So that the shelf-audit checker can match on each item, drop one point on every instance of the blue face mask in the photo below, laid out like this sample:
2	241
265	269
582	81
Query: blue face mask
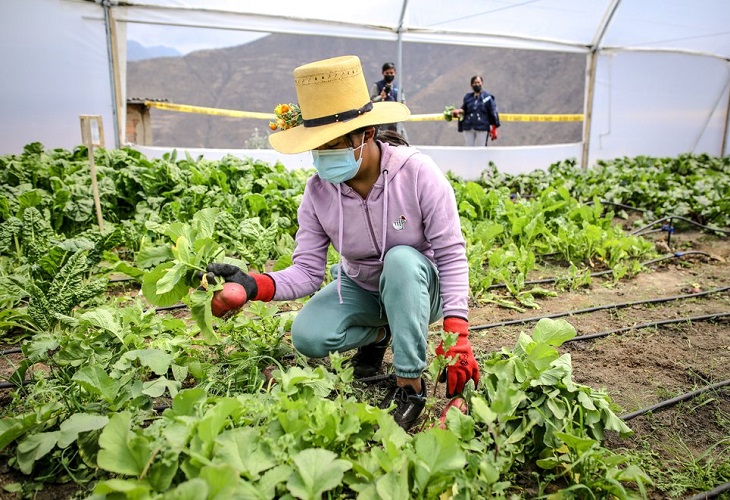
337	165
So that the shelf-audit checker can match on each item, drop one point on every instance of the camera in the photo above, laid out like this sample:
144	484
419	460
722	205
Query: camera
388	88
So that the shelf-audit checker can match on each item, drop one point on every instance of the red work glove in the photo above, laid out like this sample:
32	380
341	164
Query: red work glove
493	132
466	367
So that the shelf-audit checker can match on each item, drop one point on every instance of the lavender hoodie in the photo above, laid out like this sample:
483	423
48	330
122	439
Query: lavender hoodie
417	198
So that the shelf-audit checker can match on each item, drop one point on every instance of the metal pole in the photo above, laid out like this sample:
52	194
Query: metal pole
592	64
723	148
110	49
399	56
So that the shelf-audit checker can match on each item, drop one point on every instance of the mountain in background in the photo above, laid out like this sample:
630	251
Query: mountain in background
138	52
258	76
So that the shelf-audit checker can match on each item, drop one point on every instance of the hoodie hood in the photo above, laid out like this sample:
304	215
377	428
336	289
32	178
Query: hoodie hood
411	203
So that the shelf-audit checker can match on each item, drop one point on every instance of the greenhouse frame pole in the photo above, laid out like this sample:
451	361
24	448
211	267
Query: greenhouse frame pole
723	148
399	56
591	80
111	47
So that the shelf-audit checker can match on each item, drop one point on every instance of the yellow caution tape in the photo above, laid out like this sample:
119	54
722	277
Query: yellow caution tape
505	117
185	108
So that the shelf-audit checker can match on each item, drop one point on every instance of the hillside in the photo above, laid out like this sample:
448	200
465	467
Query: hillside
258	75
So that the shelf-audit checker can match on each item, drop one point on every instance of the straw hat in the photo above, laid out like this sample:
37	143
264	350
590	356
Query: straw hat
334	100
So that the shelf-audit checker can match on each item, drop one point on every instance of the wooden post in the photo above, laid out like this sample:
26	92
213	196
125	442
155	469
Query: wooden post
92	135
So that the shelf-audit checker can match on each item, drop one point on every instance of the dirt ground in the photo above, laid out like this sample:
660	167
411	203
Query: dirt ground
643	367
638	368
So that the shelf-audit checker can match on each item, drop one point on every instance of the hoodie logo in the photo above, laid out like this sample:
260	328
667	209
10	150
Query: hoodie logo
400	223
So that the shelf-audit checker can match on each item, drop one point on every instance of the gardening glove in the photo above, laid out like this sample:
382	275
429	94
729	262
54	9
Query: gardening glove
257	286
493	132
466	367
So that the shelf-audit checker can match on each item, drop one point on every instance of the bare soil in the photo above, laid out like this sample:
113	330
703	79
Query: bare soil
645	366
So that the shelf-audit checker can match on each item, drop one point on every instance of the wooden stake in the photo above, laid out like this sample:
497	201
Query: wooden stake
88	139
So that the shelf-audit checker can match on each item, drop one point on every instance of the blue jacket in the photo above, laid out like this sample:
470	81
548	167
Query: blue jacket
480	112
393	96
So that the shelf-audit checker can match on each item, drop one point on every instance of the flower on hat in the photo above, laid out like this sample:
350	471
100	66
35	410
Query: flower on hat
287	116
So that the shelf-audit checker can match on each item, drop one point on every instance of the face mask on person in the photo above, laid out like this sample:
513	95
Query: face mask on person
337	165
477	88
389	78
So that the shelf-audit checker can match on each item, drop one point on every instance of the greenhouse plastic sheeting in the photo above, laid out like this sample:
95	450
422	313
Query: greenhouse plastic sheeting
55	68
660	85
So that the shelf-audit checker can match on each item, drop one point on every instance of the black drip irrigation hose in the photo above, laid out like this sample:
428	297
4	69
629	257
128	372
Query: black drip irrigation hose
704	317
711	493
670	228
675	400
15	385
171	308
14	350
608	271
598	308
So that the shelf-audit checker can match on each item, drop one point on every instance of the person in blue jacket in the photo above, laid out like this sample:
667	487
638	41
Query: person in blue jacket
478	115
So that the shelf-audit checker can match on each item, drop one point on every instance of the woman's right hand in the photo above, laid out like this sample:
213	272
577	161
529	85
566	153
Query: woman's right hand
238	288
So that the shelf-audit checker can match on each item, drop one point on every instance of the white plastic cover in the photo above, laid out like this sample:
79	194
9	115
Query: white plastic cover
55	68
662	70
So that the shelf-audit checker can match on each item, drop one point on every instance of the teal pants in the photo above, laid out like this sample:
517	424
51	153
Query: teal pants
408	300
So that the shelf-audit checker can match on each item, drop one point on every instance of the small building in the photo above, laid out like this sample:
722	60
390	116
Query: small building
139	124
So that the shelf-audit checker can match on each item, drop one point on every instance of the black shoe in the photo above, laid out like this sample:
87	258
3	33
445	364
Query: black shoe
368	359
408	404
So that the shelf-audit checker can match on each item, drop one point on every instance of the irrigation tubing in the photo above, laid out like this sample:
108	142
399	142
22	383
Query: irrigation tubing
675	400
704	317
14	350
609	271
670	218
15	385
598	308
711	493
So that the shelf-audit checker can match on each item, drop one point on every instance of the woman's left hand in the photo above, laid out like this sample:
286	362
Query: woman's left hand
466	367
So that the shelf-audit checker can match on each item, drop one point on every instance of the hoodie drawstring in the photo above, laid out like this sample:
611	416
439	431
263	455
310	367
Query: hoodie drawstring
341	228
385	213
339	252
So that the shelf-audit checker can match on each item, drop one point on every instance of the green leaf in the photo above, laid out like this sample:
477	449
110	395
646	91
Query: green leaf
316	471
122	451
194	489
79	423
553	332
577	443
149	287
170	278
200	310
131	271
103	318
148	257
243	449
156	388
185	401
96	381
33	448
223	482
438	454
128	488
393	486
156	360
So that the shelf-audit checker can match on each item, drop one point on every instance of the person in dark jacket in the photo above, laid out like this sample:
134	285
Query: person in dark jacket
387	90
478	115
